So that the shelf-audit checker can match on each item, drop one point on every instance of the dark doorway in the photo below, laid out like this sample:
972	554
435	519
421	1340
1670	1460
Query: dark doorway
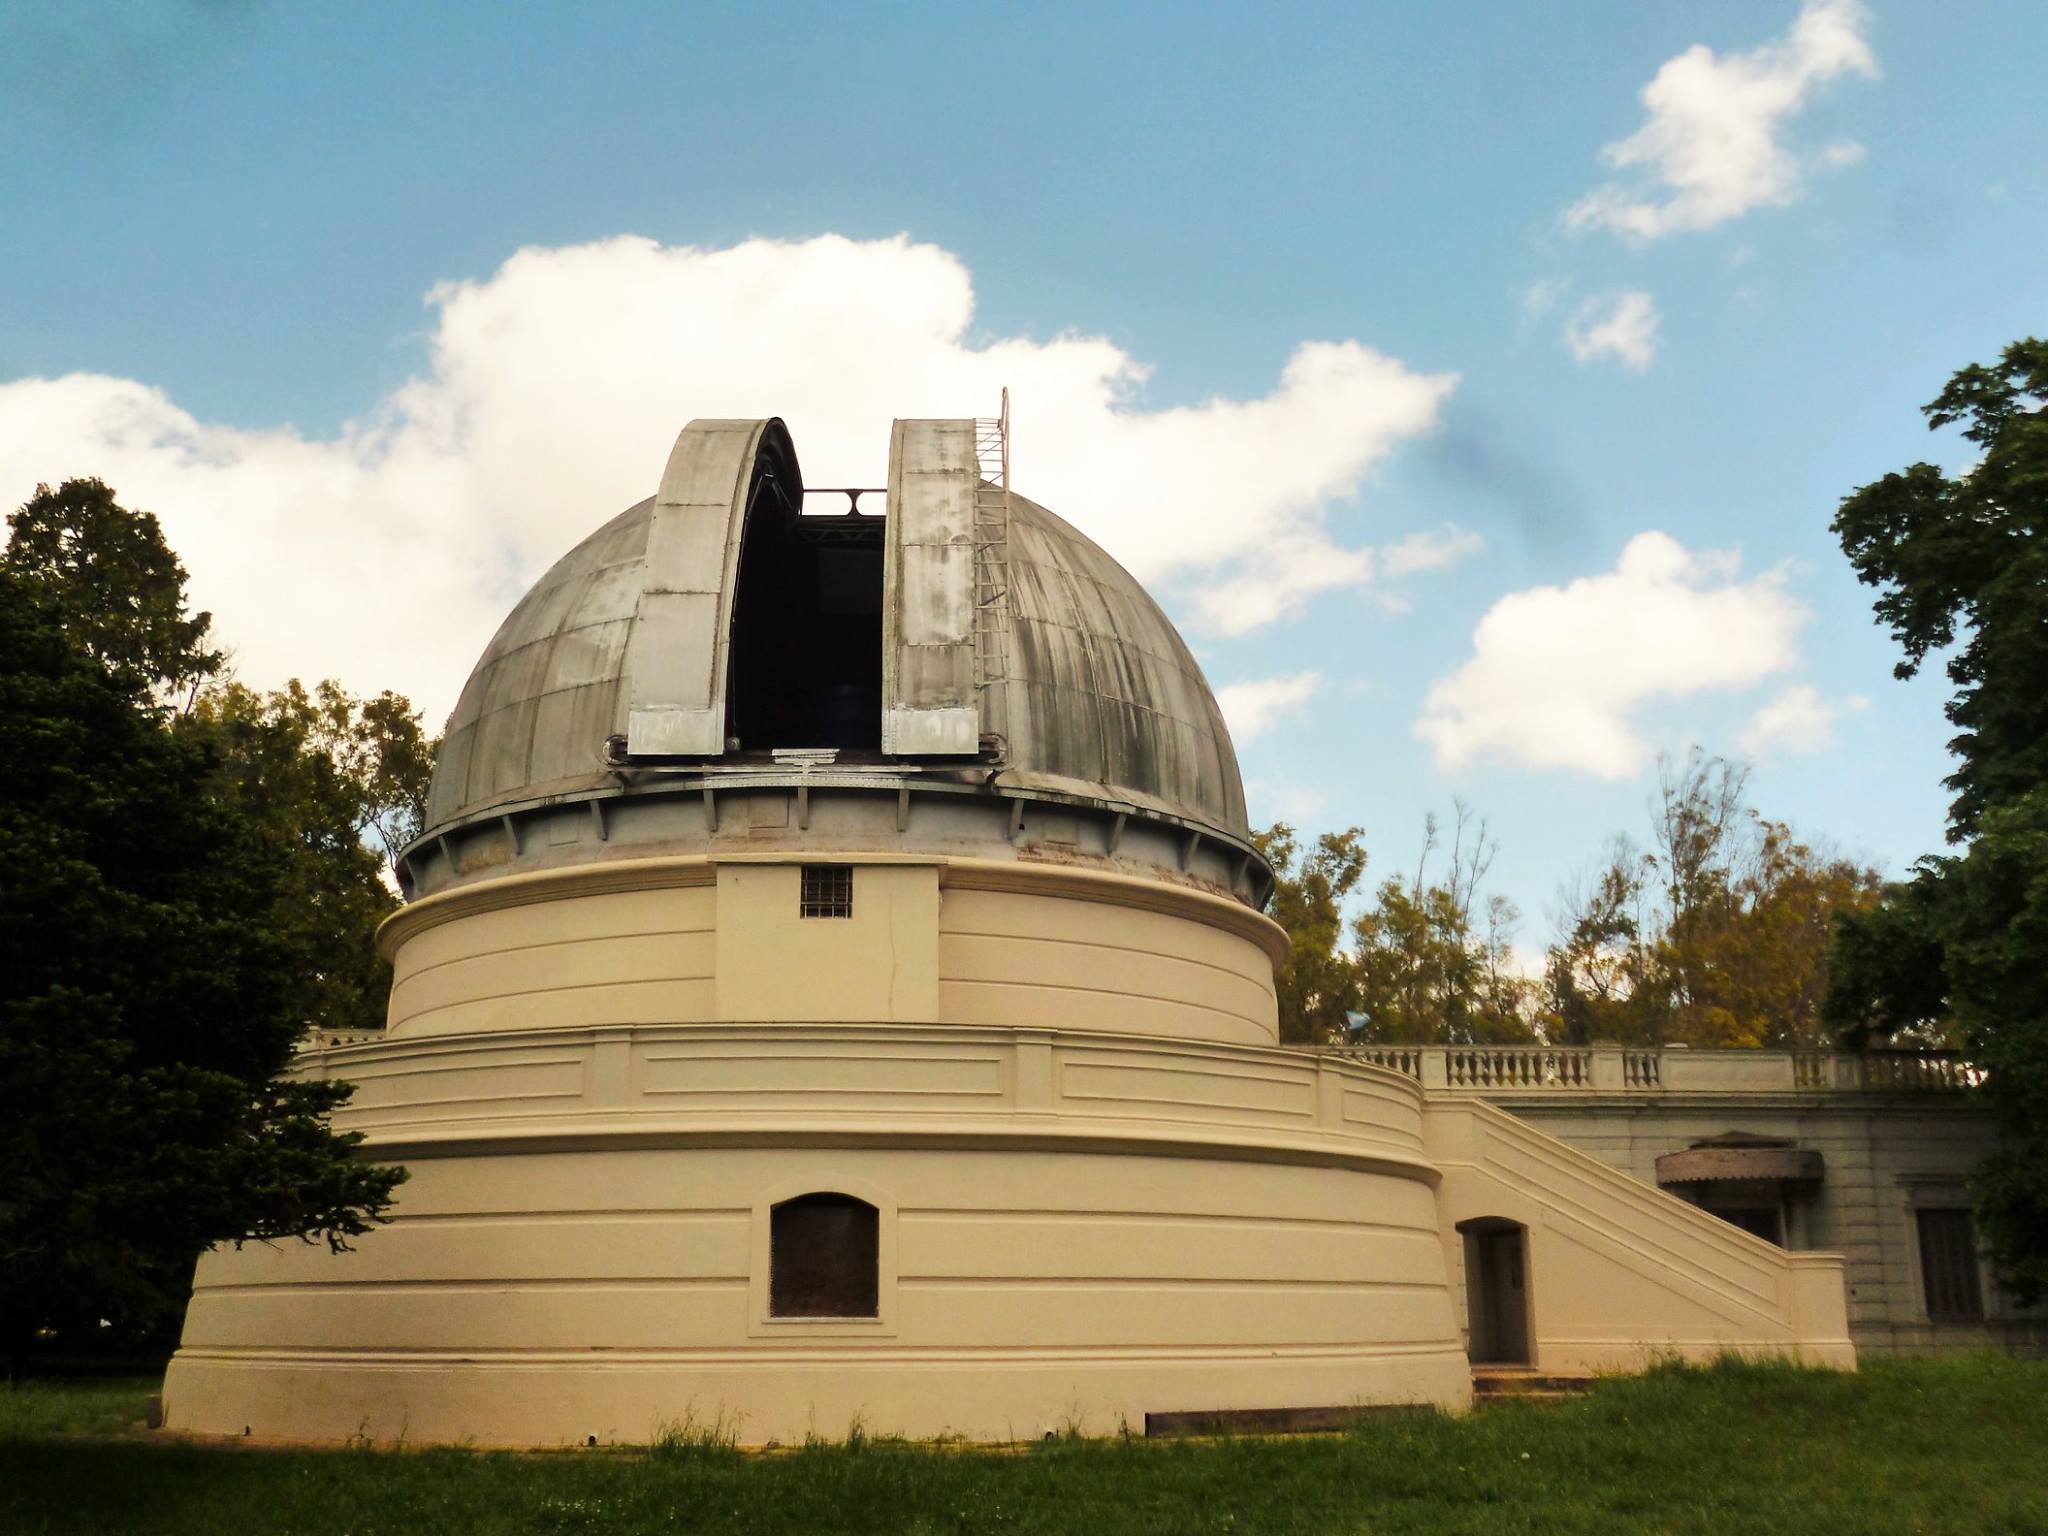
806	662
1496	1291
824	1257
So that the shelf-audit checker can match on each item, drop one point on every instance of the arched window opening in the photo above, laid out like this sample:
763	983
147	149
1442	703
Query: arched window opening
806	660
824	1254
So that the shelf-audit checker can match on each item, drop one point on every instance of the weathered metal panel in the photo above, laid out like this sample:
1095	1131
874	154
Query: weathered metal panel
499	761
940	591
928	630
670	661
591	653
1104	690
929	732
675	660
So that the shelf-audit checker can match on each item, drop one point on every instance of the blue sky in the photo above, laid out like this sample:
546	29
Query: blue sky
223	224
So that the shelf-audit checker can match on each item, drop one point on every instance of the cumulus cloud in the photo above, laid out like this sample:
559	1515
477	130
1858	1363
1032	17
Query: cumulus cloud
1557	673
1249	708
1714	147
1622	326
387	552
1796	720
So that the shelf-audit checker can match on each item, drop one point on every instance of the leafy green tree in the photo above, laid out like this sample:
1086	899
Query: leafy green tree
143	1007
1599	978
1961	567
1428	961
1758	965
1717	935
113	585
1741	958
322	774
1318	984
1428	971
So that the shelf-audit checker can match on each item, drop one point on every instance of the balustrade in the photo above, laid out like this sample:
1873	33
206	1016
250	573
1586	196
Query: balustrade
1520	1066
1405	1059
1613	1068
1919	1071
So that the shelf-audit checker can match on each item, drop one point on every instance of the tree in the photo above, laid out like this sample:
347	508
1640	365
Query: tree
145	990
320	775
1749	915
1768	964
1960	566
1599	975
1318	983
1426	971
1421	966
112	584
1718	935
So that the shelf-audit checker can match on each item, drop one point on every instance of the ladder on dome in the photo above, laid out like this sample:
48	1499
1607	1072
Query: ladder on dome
991	556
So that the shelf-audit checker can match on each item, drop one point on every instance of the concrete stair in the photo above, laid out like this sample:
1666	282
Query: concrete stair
1522	1383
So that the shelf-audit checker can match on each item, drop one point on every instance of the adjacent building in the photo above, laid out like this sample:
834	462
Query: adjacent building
1866	1155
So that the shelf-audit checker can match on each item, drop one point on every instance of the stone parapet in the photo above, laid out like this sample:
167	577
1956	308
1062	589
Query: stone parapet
1500	1070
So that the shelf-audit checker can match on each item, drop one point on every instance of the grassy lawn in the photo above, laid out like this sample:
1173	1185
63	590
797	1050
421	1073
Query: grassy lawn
1914	1446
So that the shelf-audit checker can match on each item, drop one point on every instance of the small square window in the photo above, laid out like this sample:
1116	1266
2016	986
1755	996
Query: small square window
827	891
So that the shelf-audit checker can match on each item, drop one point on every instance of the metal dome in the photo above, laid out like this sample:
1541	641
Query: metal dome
671	639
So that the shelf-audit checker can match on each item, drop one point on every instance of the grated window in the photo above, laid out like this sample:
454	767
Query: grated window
823	1257
827	891
1948	1264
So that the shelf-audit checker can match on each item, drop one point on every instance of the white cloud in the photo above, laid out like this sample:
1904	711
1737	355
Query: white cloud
1438	550
1274	582
387	553
1618	325
1542	296
1798	719
1249	708
1557	673
1713	147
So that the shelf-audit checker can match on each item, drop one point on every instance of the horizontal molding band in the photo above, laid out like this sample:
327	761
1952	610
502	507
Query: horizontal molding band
800	1036
880	1353
497	1286
633	1132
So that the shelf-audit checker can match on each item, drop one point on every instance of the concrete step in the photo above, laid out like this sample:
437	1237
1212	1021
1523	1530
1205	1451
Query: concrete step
1495	1383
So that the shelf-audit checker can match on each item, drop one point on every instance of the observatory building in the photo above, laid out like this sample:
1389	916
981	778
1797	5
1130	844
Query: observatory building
833	989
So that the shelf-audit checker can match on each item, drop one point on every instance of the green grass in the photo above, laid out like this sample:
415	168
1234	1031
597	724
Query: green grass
1950	1445
85	1406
